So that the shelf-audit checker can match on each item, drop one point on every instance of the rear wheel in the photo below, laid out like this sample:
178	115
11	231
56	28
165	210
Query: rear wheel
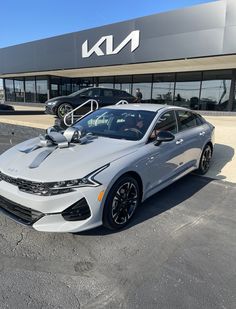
121	203
63	109
205	160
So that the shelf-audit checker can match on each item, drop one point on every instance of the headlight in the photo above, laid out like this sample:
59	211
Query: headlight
57	187
52	103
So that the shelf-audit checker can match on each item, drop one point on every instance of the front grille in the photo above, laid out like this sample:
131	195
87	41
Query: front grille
19	213
8	179
27	186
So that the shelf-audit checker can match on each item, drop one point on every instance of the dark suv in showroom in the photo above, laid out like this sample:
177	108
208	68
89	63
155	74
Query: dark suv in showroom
60	106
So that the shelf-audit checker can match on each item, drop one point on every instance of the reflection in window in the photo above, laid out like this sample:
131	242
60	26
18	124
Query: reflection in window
1	90
54	90
65	86
187	89
42	90
9	90
186	120
123	83
144	83
215	90
30	90
106	82
215	95
166	122
187	94
19	90
163	88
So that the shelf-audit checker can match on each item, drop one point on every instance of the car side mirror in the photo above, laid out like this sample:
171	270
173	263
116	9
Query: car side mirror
163	136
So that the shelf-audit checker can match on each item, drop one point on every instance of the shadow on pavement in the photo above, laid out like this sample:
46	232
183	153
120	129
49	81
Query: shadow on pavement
221	156
162	201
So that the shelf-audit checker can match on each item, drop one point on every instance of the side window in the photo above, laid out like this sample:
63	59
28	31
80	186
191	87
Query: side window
166	122
107	93
93	93
186	120
117	93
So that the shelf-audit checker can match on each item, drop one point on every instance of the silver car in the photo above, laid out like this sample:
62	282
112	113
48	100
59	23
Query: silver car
99	170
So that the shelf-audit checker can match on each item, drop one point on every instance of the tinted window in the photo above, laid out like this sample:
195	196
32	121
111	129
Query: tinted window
117	93
166	122
186	120
108	93
117	123
90	93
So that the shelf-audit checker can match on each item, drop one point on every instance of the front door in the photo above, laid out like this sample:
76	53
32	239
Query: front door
163	162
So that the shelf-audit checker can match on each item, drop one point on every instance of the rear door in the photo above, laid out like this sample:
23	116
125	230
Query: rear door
106	97
191	135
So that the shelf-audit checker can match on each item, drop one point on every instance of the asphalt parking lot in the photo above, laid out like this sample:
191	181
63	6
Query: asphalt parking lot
179	252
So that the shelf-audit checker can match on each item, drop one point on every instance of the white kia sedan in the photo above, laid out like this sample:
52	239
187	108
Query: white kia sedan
99	170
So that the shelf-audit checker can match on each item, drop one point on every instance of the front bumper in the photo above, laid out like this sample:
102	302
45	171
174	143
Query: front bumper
50	109
45	213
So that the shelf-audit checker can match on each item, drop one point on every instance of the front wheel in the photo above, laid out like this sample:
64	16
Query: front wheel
205	160
63	109
121	203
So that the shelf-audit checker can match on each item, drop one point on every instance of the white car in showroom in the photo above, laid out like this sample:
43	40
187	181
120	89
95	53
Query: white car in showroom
99	170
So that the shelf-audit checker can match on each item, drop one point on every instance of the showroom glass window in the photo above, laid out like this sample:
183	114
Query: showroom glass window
1	90
19	90
80	83
215	90
106	82
41	89
123	83
9	90
65	86
30	89
144	83
163	88
187	89
55	85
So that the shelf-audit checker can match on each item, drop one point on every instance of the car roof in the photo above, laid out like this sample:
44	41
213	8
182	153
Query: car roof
144	107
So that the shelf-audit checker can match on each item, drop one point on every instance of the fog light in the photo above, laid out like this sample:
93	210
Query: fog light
78	211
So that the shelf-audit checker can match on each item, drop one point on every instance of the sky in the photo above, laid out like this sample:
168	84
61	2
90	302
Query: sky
27	20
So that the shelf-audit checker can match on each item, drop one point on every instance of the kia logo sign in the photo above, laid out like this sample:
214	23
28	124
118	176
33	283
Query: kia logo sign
133	38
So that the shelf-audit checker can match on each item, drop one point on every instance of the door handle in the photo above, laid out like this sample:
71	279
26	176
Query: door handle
202	133
180	141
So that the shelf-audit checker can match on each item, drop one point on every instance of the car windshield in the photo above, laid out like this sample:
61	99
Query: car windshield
77	92
117	123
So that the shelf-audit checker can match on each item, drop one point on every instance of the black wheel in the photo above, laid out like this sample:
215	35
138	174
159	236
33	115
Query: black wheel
63	109
121	203
205	160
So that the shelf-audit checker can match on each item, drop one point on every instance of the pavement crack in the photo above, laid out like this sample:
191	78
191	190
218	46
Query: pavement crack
19	241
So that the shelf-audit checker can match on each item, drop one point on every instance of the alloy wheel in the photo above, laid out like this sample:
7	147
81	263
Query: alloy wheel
124	203
206	158
64	109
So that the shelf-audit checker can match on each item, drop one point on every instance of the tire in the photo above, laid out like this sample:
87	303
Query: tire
63	109
204	163
119	208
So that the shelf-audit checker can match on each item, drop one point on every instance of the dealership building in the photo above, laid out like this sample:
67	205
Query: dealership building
185	57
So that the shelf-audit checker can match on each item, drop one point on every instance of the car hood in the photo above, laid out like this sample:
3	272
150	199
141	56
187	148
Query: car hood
73	162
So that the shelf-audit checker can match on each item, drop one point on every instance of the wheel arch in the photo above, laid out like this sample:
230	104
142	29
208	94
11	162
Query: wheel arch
210	144
137	177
